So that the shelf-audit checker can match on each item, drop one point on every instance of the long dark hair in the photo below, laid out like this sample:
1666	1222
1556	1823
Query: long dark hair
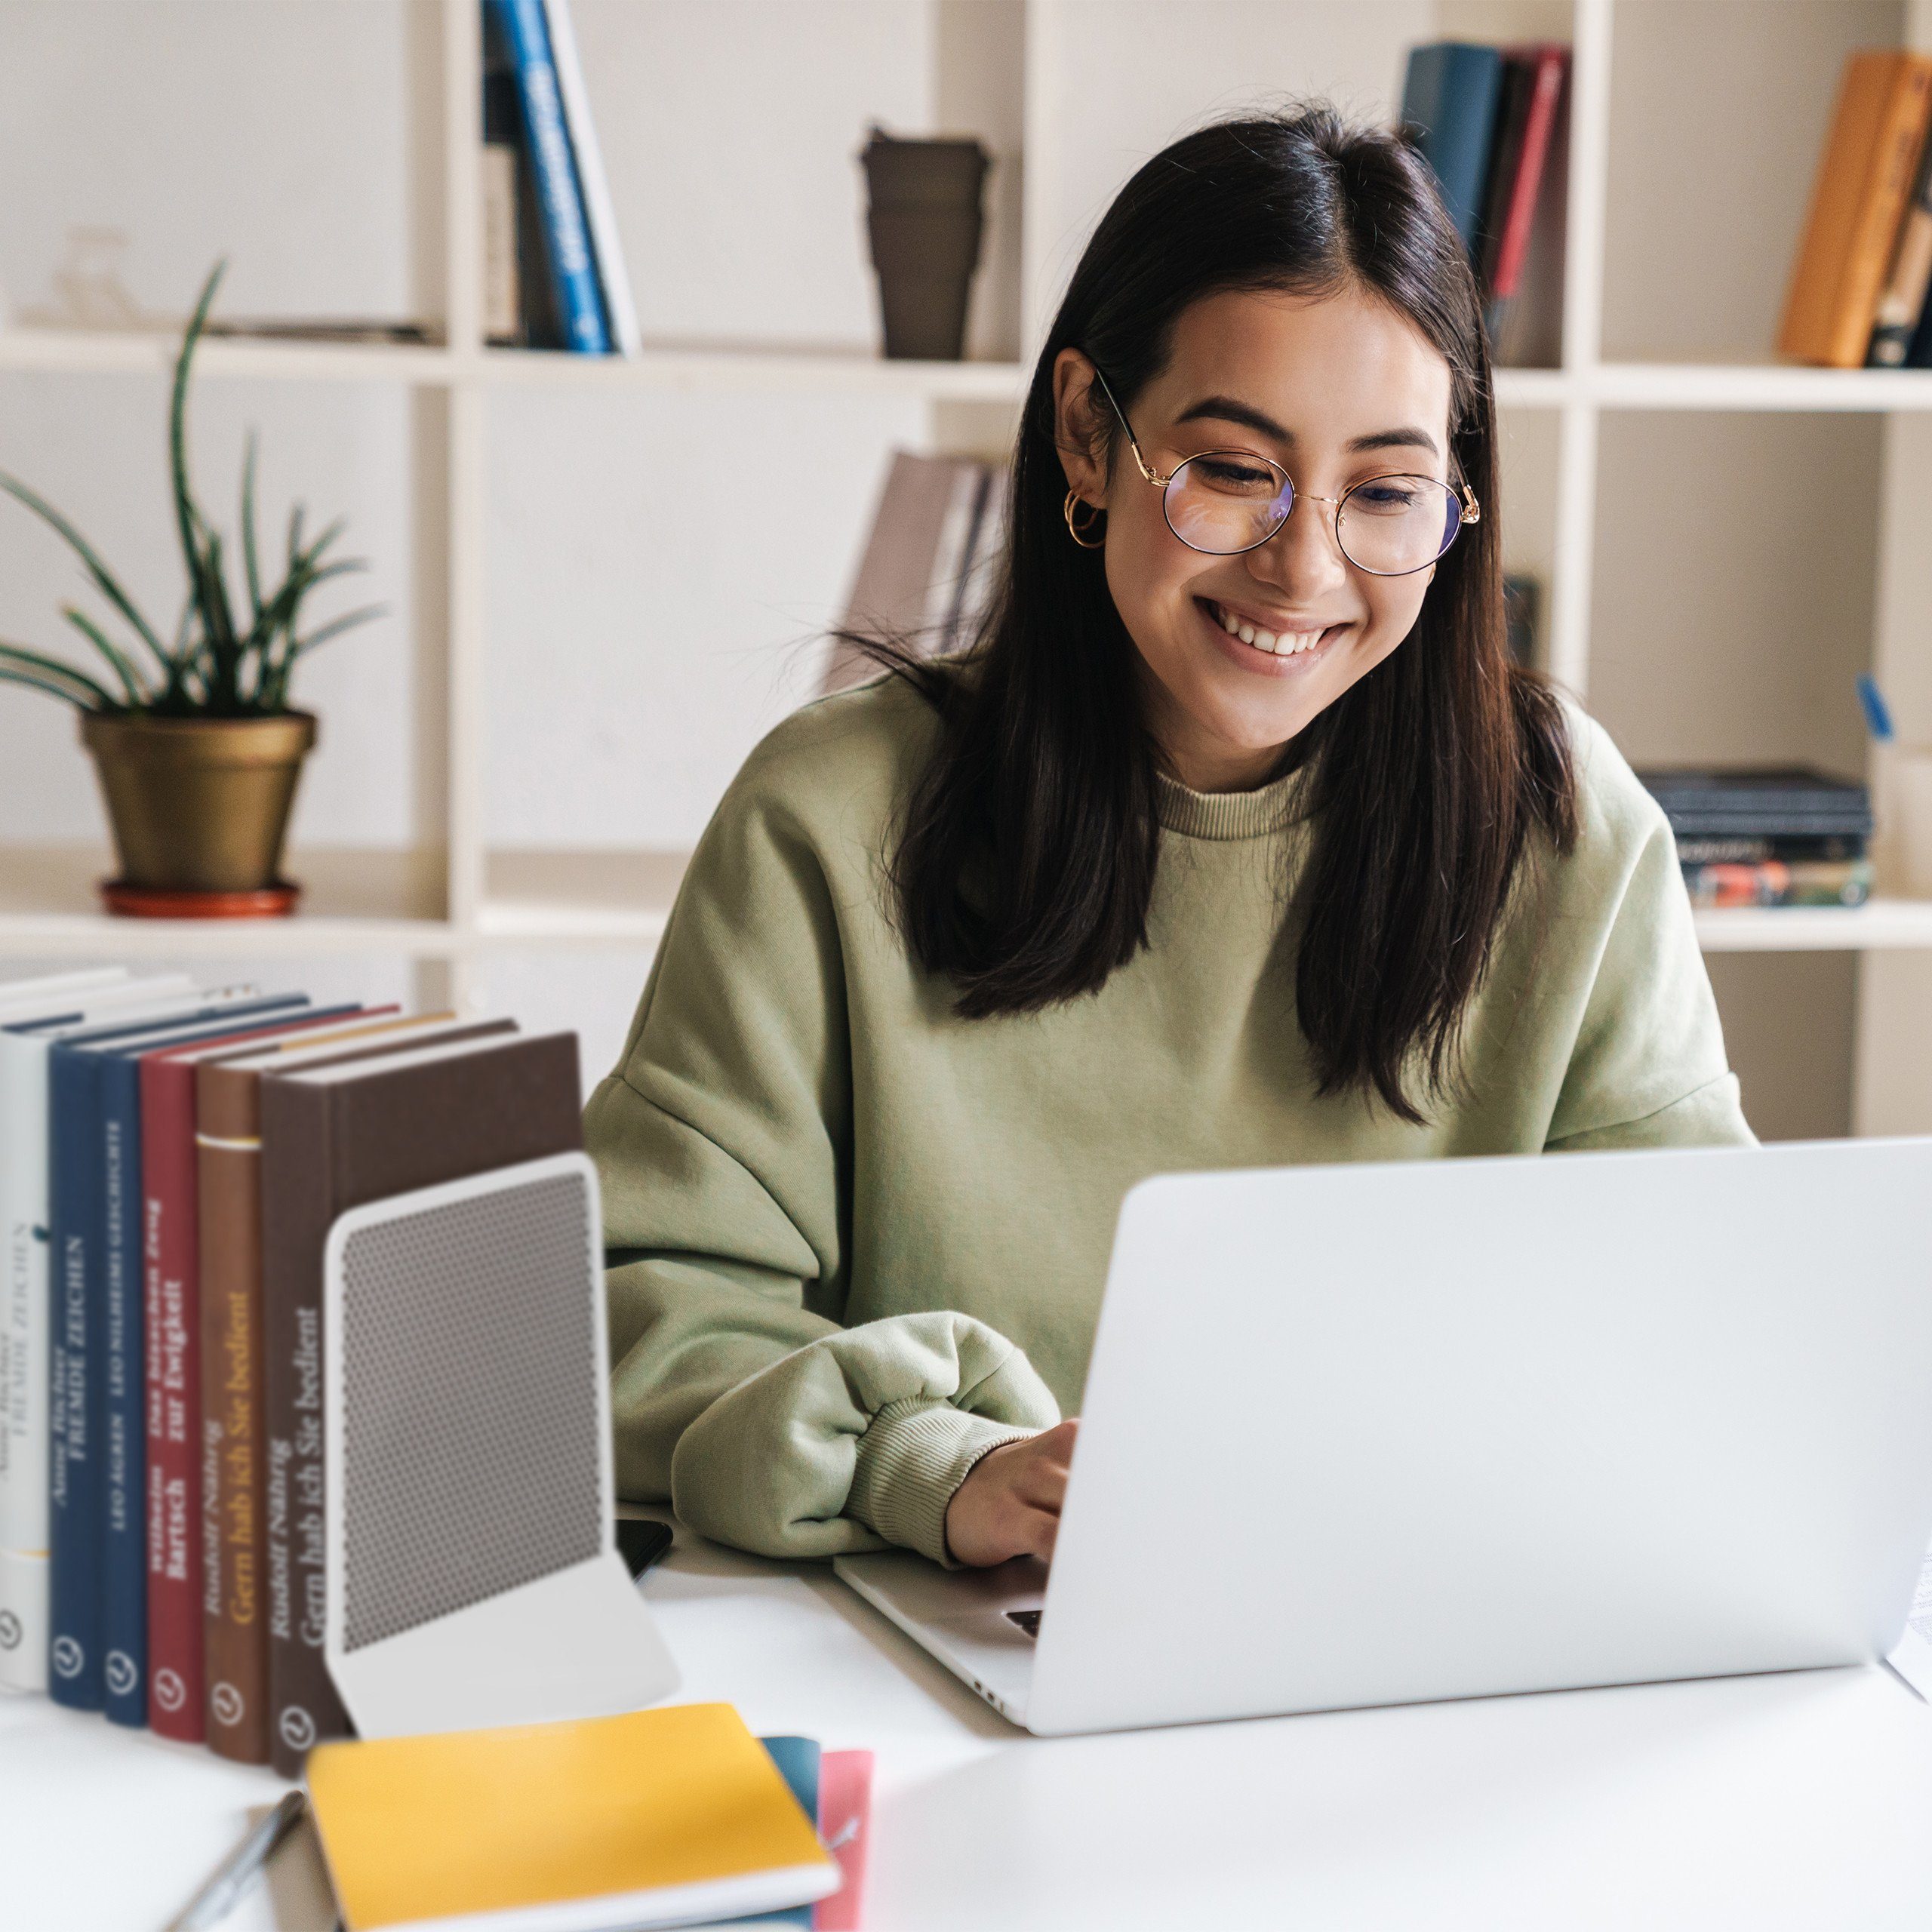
1024	861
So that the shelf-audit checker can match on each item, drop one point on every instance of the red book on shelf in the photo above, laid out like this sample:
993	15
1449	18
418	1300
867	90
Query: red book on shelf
1549	63
171	1299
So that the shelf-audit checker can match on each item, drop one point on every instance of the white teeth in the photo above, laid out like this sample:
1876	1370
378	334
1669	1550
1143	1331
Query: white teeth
1286	644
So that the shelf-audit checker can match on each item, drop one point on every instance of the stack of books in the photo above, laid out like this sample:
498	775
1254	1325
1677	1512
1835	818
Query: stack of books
172	1157
1493	124
553	273
1786	836
1858	288
667	1817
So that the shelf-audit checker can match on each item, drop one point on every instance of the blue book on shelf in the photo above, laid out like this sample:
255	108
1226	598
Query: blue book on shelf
123	1575
73	1520
89	1441
566	225
1450	96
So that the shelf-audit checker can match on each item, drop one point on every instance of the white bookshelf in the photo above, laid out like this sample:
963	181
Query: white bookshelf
1034	76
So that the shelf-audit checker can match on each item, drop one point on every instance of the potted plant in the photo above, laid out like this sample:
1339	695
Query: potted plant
196	743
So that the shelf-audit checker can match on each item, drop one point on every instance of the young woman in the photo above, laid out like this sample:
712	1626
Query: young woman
1236	841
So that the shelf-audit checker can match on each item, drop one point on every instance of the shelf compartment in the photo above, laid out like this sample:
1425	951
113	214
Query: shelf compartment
1883	924
671	366
116	352
1755	386
579	898
353	900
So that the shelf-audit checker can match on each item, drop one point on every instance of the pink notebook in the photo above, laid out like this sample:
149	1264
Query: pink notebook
844	1824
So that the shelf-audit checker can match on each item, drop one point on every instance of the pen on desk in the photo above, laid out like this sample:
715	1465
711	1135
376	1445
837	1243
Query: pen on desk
217	1898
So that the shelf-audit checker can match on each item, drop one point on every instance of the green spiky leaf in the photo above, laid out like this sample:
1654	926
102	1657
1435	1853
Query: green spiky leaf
41	669
186	516
138	695
250	567
104	579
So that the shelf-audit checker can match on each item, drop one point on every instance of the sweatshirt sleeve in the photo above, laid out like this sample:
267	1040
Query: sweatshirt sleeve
1646	1066
722	1140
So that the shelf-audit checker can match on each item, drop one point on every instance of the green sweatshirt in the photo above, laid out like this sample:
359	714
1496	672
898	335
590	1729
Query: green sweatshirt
855	1242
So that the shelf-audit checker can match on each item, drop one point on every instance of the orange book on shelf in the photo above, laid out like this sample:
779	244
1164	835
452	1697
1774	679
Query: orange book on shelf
1858	201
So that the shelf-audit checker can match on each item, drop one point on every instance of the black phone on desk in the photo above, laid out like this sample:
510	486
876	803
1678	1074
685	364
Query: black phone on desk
641	1543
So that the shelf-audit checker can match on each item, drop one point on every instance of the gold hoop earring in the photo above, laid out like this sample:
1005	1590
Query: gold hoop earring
1083	533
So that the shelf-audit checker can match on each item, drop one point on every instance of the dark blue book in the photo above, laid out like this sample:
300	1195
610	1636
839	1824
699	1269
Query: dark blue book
566	224
1449	99
1919	355
124	1581
80	1448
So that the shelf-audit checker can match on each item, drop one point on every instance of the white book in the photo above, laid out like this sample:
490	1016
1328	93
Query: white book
33	992
619	309
25	1303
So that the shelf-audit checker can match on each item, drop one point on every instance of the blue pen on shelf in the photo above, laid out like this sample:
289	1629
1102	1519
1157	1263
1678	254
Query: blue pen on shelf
1878	713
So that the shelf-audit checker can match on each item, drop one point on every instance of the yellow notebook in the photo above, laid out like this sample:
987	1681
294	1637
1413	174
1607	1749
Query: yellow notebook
655	1817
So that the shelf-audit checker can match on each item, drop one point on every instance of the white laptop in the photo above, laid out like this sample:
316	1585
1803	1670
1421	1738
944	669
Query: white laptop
1379	1434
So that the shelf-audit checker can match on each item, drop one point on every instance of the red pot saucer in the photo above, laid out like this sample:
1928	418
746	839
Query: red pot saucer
154	901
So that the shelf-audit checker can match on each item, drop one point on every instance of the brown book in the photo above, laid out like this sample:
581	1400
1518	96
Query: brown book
912	576
234	1572
226	1150
334	1138
1858	202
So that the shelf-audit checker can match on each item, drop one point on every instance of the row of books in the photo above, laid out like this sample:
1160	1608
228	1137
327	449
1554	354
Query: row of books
1857	296
1787	835
1493	124
553	272
926	575
172	1159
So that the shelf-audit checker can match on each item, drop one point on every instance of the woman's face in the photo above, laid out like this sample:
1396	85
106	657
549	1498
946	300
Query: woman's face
1308	383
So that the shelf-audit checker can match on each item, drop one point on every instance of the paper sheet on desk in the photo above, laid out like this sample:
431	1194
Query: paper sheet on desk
1912	1660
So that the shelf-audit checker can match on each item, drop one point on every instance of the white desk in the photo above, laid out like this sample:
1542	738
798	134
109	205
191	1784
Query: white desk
1742	1804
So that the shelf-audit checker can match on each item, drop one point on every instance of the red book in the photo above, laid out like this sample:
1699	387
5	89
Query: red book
1550	63
171	1260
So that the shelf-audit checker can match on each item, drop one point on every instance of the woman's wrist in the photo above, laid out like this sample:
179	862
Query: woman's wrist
912	1460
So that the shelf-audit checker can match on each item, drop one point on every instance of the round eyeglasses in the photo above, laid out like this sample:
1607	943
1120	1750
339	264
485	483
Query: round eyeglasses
1223	502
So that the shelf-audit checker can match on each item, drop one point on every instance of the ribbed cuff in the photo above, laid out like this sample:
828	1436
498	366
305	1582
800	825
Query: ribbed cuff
916	1454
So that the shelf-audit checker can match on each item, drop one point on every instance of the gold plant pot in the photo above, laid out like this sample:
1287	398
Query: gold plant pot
198	805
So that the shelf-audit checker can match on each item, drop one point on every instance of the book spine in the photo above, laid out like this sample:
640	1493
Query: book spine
1773	882
298	1202
566	232
74	1464
612	277
123	1553
1547	93
24	1220
1753	849
227	1152
176	1689
1858	202
1449	97
1903	299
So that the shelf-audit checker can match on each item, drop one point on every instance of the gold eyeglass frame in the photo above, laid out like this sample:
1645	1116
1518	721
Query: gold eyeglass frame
1469	510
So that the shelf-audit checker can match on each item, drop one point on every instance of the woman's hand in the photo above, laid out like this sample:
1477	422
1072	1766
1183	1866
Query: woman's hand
1009	1504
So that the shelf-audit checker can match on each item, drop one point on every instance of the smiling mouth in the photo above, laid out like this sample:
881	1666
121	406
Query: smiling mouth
1284	644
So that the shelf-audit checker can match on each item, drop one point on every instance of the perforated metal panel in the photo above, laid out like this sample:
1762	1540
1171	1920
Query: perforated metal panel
470	1441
